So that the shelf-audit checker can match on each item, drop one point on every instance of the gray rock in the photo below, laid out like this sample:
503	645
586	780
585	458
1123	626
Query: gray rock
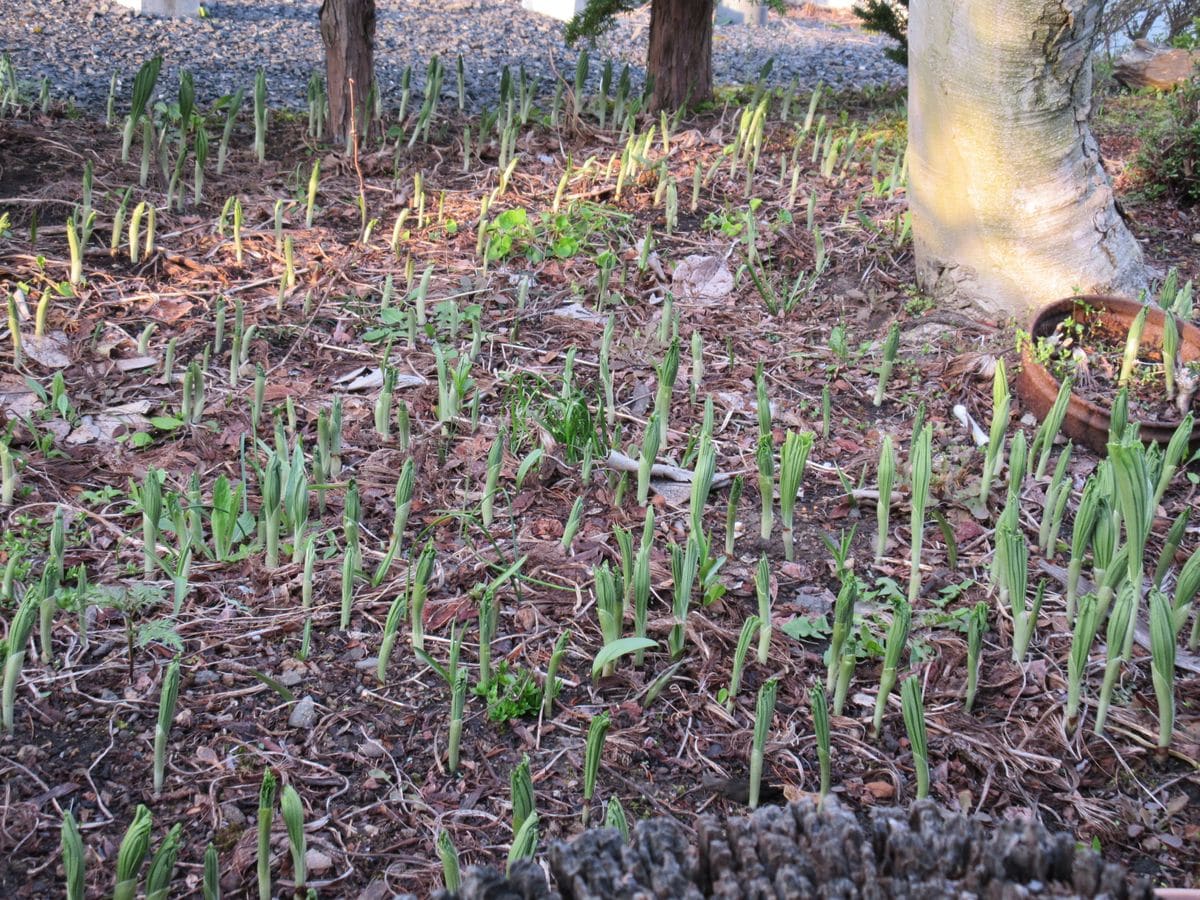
304	713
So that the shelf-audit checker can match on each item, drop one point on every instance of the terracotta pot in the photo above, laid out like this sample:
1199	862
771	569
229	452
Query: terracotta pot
1086	422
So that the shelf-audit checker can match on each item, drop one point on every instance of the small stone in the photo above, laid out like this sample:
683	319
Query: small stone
205	676
291	678
232	815
304	713
317	862
372	749
369	663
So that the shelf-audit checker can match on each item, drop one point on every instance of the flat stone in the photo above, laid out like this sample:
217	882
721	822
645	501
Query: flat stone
304	713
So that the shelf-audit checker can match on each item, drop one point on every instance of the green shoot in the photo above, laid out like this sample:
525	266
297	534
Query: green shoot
162	866
922	468
419	591
735	496
74	858
764	712
993	459
132	854
886	478
897	640
166	715
765	456
458	698
551	685
976	628
650	445
1119	621
614	817
914	724
792	459
266	815
820	716
591	759
750	627
449	857
574	518
1081	644
524	843
1132	341
211	886
1162	667
293	819
890	345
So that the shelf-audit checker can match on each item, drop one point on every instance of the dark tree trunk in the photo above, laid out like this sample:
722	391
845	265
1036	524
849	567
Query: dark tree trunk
348	32
680	55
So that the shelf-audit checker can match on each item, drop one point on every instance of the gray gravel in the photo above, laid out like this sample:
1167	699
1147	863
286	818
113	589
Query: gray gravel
79	44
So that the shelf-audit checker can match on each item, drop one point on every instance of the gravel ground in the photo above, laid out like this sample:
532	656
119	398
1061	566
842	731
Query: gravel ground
79	43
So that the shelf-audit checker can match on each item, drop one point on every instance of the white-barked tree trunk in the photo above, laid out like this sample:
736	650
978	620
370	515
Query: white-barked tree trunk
1011	208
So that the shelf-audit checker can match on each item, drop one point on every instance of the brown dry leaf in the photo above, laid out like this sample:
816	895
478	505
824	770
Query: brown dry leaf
881	790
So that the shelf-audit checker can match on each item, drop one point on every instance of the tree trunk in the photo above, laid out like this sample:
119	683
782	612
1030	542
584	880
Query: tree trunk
680	56
348	32
1010	206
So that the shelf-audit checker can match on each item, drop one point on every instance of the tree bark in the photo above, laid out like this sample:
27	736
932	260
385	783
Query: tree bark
679	59
1010	205
348	32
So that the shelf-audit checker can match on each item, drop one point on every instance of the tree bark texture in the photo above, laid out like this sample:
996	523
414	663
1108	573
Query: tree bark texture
679	58
348	32
1011	208
810	851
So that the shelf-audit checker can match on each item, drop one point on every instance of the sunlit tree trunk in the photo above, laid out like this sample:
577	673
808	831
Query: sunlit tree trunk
680	55
1010	206
348	32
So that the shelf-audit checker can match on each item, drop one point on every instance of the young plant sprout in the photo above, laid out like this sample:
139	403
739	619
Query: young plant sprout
150	499
993	459
521	788
419	592
391	627
976	628
897	640
1170	546
914	724
211	885
458	699
1043	440
448	854
614	817
792	458
550	688
735	496
487	630
1086	516
843	625
272	507
1120	620
750	627
762	590
1081	644
574	518
293	819
18	637
765	457
494	460
1162	667
166	715
1132	341
764	712
260	116
1170	354
162	866
1135	493
641	581
684	563
1012	560
702	478
609	610
667	370
132	853
524	843
820	716
1172	457
403	501
266	815
74	858
890	345
650	444
591	760
883	506
922	468
1057	494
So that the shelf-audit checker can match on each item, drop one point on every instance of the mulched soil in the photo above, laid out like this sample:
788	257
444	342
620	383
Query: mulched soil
371	765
